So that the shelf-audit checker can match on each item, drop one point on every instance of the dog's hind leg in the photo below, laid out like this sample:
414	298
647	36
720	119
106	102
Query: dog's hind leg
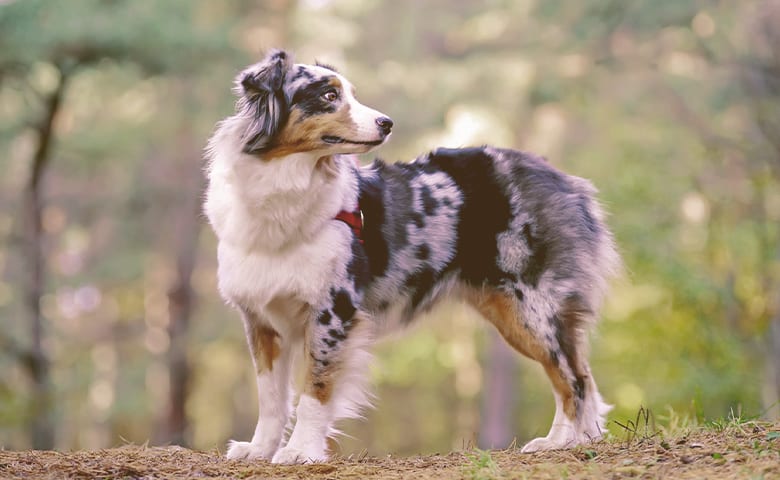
272	358
335	384
558	341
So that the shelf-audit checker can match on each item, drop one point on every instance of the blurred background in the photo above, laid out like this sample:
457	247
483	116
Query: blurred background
111	328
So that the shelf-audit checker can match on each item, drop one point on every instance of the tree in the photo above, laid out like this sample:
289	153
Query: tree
760	75
167	44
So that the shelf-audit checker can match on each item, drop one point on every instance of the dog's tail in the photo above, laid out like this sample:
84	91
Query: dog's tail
607	263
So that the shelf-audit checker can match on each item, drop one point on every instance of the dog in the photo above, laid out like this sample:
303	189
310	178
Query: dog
321	257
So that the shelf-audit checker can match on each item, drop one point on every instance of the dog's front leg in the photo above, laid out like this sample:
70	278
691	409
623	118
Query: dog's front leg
335	380
271	356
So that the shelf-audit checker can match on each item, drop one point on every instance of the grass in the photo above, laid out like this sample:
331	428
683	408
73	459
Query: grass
481	466
673	447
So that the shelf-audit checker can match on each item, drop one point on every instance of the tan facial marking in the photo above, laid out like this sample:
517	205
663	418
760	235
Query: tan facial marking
305	134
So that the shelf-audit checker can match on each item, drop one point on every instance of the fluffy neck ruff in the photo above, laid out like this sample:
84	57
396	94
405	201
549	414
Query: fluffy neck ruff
258	205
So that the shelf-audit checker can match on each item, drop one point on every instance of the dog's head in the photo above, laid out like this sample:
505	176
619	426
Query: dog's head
295	108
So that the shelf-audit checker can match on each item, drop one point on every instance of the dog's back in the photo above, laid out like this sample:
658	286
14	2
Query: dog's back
477	218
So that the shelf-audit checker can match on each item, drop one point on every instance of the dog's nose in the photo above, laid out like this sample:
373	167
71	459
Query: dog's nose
385	124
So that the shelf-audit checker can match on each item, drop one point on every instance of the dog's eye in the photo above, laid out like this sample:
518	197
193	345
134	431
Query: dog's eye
330	96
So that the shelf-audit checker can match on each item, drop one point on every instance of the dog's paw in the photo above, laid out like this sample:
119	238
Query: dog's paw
543	443
291	455
248	451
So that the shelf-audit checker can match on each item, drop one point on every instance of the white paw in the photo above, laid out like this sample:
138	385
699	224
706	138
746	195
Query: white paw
289	455
248	451
544	443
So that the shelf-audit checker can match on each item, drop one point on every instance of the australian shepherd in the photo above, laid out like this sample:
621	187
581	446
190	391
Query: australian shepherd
321	256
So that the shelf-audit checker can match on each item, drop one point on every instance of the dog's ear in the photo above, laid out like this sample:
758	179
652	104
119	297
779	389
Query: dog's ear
262	89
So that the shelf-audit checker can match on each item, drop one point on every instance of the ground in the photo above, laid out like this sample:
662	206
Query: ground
749	450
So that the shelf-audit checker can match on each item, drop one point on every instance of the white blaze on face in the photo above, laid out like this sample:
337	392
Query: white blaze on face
363	117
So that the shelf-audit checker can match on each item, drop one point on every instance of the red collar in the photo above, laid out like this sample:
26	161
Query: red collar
354	220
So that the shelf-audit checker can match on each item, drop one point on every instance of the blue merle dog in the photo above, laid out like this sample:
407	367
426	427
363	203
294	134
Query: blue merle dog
320	256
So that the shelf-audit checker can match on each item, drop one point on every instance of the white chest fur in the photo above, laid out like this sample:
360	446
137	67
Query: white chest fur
274	221
304	271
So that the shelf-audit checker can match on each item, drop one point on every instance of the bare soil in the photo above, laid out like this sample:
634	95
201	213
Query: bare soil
750	450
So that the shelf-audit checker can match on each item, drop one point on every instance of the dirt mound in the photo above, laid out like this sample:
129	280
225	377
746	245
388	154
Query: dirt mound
750	450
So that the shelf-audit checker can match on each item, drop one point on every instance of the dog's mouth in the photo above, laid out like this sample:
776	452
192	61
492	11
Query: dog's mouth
334	140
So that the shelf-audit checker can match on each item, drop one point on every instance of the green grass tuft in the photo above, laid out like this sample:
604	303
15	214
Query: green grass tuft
481	466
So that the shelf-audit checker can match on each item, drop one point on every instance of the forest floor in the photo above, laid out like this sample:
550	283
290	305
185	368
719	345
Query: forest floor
749	450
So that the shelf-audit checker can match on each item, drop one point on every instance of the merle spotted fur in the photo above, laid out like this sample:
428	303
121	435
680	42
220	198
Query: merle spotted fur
521	241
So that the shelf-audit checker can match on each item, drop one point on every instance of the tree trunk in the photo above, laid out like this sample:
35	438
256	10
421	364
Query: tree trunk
498	398
180	300
181	295
41	423
773	368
